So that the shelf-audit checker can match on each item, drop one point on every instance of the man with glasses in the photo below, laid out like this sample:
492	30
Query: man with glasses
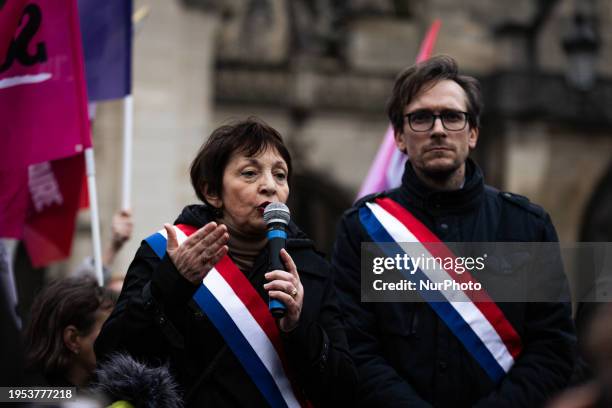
445	354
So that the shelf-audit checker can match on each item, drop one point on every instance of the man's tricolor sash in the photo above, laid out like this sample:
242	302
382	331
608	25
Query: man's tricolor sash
471	315
242	318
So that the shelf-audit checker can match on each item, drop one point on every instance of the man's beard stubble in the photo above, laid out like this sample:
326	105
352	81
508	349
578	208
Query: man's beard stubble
444	173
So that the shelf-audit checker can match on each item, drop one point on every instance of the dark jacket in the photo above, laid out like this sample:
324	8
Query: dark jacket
154	321
405	354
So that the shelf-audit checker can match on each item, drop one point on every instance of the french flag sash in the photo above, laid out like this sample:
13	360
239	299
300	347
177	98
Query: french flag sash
242	318
471	315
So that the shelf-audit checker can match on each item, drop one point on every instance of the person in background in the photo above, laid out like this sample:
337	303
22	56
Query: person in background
121	231
121	228
65	320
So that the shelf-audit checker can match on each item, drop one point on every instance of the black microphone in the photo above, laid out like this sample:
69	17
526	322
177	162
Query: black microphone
276	216
122	378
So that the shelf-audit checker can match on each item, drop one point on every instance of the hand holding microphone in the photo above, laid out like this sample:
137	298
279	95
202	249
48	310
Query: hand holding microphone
284	287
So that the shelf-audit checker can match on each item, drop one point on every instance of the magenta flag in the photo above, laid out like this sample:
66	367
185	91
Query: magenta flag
44	127
388	166
43	100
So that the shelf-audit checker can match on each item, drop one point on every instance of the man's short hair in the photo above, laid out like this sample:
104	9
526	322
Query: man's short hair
414	79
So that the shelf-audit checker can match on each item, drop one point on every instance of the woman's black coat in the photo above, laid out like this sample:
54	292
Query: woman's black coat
155	321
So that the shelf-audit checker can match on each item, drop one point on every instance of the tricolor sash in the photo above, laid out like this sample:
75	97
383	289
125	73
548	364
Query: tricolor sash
242	318
472	316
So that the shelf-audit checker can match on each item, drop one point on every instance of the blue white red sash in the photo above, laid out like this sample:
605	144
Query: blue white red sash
242	318
471	315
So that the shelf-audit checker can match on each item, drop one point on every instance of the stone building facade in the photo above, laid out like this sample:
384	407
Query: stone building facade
321	70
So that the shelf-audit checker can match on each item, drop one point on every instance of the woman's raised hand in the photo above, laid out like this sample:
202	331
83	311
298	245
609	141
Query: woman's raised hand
195	257
286	287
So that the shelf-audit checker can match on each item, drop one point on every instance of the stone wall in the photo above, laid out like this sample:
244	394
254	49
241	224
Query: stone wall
533	136
557	168
331	64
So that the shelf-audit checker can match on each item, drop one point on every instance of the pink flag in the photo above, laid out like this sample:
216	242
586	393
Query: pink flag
388	166
42	113
44	128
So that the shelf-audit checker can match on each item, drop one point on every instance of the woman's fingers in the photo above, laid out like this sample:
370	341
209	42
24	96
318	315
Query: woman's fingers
197	237
199	252
293	305
210	244
283	286
219	239
172	242
288	261
287	282
221	252
208	264
282	276
287	299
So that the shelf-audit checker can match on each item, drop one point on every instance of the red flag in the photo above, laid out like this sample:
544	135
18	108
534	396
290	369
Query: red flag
55	195
14	198
44	129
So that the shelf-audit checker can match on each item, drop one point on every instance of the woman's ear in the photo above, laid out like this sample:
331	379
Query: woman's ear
71	339
212	199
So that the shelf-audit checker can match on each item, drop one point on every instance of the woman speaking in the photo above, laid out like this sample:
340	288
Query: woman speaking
196	295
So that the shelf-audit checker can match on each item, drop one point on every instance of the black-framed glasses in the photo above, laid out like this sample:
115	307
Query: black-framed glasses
423	120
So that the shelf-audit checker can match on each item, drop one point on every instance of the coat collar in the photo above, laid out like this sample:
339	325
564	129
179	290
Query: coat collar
416	192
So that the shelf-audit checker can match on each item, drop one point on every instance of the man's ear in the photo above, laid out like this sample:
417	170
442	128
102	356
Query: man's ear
72	339
400	142
212	199
473	138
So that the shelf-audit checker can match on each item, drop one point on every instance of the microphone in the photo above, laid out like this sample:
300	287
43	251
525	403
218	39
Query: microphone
122	378
276	216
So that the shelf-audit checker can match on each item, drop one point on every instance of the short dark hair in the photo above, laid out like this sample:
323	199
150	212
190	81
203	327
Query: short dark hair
427	73
69	301
250	137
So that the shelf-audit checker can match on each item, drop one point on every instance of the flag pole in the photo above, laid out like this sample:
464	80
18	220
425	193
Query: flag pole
389	160
128	135
90	169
